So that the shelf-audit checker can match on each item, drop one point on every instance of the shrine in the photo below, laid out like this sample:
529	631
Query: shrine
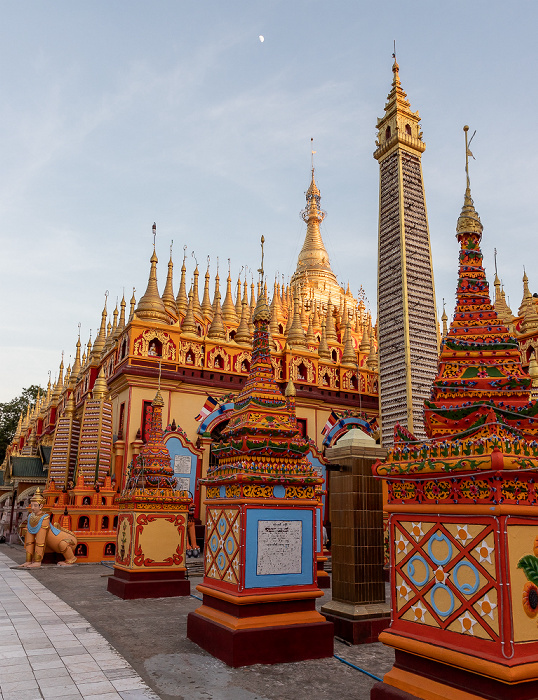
462	512
152	528
260	587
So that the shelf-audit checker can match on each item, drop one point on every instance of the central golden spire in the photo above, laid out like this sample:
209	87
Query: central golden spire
313	255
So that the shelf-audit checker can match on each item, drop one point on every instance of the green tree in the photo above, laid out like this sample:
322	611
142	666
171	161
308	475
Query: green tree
9	415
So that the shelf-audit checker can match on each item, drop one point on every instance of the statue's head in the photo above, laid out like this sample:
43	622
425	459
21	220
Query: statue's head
36	502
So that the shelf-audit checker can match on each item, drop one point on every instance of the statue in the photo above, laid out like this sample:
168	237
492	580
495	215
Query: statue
41	534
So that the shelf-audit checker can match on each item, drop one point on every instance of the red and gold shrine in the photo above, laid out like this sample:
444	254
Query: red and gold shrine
152	523
260	583
463	514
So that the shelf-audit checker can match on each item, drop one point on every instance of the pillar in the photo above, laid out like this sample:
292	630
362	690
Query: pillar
358	609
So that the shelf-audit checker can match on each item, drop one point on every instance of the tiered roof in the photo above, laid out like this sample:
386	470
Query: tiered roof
480	376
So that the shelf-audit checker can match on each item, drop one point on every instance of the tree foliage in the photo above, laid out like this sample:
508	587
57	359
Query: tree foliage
9	415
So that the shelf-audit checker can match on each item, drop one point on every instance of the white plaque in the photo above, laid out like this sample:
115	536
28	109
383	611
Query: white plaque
182	464
279	547
183	483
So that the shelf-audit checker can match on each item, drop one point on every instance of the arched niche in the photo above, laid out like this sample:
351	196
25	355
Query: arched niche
186	461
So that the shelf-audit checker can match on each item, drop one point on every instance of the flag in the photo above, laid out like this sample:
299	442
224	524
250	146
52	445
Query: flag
331	421
374	425
207	408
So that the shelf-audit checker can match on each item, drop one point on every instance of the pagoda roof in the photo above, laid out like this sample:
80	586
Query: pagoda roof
27	467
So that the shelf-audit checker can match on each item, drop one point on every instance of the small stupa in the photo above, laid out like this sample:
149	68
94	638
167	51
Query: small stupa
260	585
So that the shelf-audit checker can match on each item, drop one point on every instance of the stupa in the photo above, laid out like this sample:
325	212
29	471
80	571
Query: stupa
463	516
151	541
259	588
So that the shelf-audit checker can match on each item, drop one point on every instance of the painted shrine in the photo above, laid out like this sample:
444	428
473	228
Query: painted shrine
151	542
263	529
462	509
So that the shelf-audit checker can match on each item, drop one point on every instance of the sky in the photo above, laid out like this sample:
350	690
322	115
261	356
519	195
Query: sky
116	115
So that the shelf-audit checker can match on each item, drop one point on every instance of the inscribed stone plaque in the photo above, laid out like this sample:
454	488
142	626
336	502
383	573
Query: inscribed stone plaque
279	547
183	483
182	464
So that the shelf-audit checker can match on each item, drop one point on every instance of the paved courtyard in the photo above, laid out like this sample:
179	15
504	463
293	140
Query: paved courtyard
62	635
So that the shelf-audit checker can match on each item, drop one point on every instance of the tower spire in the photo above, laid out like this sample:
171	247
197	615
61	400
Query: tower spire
168	294
407	316
151	305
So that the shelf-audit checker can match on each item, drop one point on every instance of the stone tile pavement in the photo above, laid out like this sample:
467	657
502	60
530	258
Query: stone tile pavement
48	650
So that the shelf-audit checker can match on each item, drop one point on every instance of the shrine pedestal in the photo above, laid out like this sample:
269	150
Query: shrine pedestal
258	608
358	609
357	624
148	584
151	550
260	631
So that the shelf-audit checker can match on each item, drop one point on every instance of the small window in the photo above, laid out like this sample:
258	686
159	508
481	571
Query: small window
86	501
301	372
104	523
115	522
334	355
387	133
103	501
245	366
189	358
83	523
354	383
81	550
408	129
219	362
110	549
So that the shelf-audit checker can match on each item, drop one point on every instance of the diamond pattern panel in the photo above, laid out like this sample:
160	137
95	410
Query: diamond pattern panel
222	552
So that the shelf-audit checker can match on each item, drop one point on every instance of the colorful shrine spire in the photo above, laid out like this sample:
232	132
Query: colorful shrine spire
480	378
262	435
153	469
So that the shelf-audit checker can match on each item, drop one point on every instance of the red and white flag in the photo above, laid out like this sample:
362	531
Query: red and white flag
331	421
207	408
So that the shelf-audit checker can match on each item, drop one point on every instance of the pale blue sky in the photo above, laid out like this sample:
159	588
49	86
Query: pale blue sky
118	114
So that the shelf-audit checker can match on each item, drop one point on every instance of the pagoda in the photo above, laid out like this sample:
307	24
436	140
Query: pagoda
463	516
407	318
259	588
151	537
480	377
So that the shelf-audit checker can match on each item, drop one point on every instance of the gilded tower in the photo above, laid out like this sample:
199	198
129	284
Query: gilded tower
407	319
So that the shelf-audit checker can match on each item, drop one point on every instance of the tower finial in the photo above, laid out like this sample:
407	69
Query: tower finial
312	153
468	152
154	231
260	269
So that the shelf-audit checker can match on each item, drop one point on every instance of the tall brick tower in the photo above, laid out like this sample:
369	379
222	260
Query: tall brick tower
407	318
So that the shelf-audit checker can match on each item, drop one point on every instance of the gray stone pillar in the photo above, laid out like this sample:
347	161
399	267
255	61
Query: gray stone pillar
358	609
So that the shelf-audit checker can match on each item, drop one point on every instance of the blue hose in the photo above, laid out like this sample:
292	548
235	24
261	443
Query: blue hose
197	597
357	668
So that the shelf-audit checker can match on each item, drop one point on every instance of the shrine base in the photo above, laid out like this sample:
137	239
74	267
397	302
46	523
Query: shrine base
358	631
237	635
357	624
148	584
415	677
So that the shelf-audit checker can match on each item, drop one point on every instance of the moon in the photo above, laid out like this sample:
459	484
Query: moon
261	38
